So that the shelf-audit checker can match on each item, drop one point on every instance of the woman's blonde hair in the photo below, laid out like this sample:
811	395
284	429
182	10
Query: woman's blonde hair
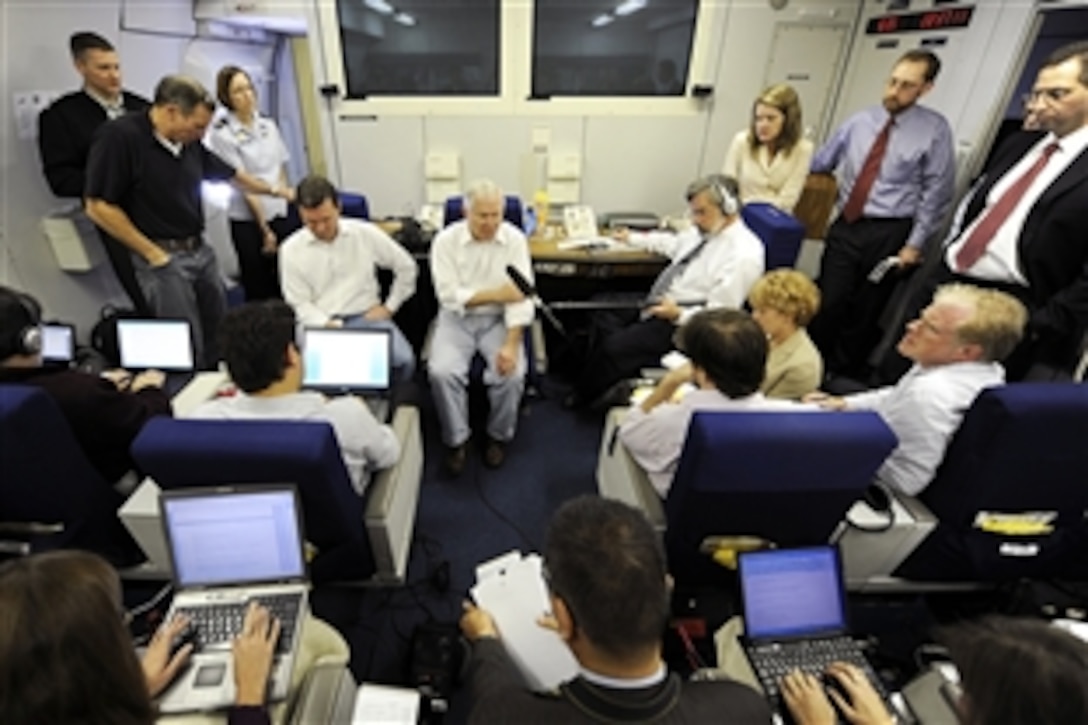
784	98
789	292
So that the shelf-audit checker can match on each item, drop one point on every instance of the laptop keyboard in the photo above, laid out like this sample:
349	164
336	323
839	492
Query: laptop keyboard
217	624
771	662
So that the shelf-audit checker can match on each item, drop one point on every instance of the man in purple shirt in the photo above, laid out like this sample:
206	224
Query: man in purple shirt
896	170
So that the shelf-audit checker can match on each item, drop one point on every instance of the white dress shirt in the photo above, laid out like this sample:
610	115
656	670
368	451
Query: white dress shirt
339	278
365	443
924	409
720	276
1001	260
777	180
462	266
656	439
259	150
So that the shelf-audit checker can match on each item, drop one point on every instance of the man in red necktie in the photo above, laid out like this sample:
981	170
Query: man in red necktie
1023	228
895	164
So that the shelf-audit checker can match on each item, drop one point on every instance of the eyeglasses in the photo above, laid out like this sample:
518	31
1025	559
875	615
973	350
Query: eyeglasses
1049	96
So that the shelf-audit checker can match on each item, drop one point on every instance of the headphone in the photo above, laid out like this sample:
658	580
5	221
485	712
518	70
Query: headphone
27	340
727	202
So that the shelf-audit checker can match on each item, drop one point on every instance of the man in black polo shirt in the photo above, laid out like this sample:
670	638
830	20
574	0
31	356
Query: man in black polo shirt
143	188
67	127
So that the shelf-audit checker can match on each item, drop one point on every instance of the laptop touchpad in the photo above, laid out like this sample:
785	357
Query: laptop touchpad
209	675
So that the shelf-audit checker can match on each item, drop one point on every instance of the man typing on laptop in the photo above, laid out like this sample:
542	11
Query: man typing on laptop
258	342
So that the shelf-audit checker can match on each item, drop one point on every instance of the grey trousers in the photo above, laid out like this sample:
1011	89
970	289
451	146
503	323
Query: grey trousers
188	287
456	339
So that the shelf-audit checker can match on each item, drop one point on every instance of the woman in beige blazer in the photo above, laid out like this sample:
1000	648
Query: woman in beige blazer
770	159
783	301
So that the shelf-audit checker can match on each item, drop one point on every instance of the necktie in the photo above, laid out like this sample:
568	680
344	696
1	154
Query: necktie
992	219
855	203
668	276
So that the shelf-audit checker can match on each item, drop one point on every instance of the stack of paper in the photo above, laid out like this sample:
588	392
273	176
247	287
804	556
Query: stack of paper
511	588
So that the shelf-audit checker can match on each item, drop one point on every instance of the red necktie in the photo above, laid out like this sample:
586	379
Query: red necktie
855	203
992	219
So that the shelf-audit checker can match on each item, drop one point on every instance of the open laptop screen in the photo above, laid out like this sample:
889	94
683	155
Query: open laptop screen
792	593
346	359
161	344
233	536
58	343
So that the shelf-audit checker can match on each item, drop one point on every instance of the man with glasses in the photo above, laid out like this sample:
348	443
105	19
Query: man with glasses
609	592
956	344
1023	228
896	169
143	187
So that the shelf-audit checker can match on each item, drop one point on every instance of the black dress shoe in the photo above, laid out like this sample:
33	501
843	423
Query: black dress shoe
454	462
494	453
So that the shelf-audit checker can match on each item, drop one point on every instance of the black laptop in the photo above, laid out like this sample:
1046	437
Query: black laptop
795	616
349	361
157	344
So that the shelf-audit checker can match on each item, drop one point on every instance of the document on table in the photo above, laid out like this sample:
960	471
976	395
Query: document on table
382	705
511	588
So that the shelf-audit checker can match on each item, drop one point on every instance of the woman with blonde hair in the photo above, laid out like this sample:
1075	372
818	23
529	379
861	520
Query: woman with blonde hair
770	159
784	301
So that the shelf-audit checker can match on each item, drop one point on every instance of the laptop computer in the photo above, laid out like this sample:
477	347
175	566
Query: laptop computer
346	360
794	603
58	344
165	345
228	546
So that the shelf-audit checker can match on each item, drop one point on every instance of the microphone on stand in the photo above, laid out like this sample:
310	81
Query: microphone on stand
530	293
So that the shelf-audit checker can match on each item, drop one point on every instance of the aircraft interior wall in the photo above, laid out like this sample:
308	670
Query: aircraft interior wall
634	156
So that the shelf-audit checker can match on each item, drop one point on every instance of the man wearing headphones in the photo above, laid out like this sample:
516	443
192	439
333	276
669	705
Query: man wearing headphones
105	413
715	262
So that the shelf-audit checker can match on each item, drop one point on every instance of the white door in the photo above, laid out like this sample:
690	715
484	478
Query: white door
807	57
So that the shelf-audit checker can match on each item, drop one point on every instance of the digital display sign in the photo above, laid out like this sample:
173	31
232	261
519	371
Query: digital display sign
912	22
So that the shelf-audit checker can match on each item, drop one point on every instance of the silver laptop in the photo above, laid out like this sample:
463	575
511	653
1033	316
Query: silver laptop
158	344
345	360
228	546
58	344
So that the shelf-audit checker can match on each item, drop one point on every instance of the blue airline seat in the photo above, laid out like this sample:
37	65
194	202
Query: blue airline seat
46	479
512	211
780	232
1021	451
785	477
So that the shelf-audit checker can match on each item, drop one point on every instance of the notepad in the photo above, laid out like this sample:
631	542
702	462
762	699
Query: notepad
383	705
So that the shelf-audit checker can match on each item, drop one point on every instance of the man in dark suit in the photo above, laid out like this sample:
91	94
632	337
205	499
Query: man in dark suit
1023	227
67	127
605	570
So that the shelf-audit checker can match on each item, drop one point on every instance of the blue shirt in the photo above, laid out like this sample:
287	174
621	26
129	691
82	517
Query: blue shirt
917	173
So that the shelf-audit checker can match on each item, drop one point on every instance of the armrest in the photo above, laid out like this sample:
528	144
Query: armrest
620	478
327	695
392	498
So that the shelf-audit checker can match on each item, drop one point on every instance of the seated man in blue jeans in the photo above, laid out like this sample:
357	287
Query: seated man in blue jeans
329	271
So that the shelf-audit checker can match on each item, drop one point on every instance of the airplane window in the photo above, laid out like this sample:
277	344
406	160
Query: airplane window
420	47
612	47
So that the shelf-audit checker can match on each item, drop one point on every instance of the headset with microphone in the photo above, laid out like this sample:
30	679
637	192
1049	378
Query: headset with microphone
27	340
727	202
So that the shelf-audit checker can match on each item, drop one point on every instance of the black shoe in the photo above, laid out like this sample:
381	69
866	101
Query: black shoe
454	462
494	453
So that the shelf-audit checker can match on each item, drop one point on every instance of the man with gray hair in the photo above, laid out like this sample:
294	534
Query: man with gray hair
715	262
143	187
481	310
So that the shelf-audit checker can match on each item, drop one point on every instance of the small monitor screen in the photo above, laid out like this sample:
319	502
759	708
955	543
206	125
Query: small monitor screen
159	344
792	592
58	343
346	359
234	537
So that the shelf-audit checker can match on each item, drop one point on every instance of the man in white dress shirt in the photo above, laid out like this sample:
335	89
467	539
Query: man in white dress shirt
258	344
728	356
481	311
955	344
329	271
715	262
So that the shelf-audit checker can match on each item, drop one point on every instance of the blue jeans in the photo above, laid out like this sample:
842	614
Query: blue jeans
188	287
404	359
